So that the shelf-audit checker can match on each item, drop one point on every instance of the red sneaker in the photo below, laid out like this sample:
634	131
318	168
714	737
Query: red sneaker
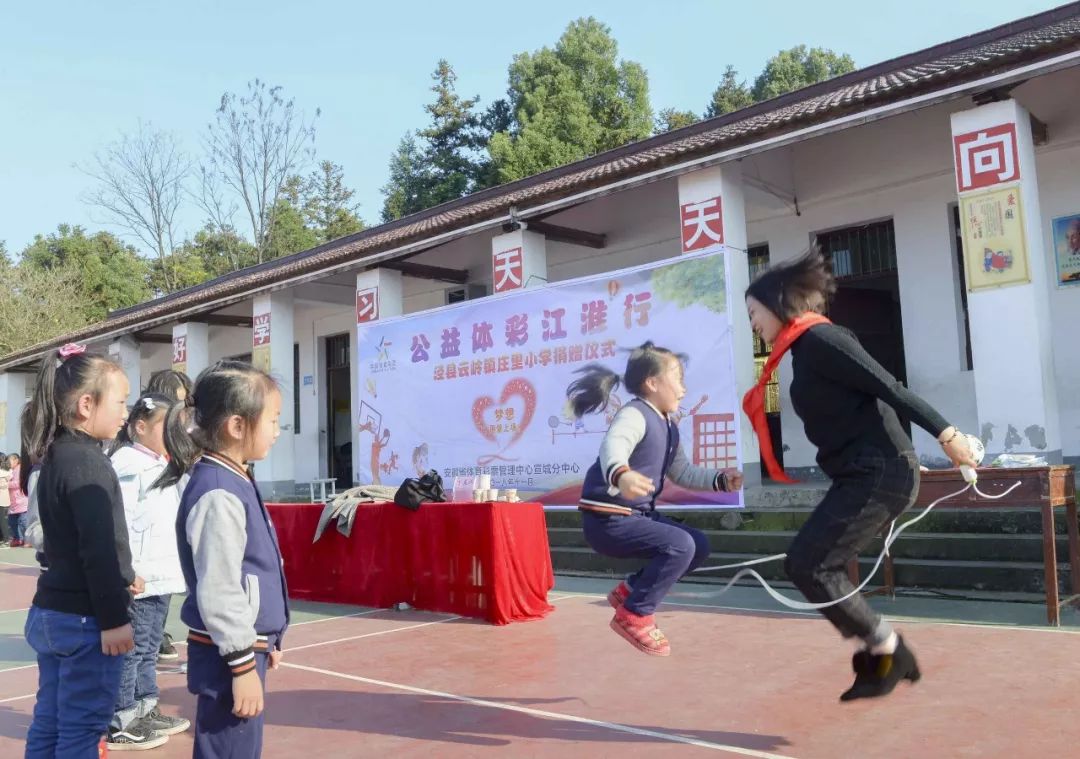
618	594
641	632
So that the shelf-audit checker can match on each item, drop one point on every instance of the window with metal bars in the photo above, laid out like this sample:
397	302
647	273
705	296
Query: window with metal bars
860	251
337	352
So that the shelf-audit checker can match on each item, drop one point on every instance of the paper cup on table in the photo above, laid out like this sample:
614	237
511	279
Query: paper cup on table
493	494
510	495
478	495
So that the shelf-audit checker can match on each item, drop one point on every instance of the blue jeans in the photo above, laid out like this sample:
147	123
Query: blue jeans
673	549
77	686
138	683
17	523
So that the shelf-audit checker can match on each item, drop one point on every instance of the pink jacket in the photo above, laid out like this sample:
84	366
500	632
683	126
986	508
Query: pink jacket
19	500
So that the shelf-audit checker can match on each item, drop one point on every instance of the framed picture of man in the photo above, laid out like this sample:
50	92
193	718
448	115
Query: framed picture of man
1066	231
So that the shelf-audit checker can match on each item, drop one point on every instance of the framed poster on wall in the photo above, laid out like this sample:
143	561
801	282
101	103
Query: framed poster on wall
995	253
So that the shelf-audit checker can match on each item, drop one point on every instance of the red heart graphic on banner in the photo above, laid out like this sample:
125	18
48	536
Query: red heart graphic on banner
517	387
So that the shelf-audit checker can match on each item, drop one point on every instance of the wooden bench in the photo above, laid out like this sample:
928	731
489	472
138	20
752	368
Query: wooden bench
1045	487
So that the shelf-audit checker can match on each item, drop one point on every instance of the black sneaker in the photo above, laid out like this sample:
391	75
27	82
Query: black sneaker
135	737
878	674
167	652
164	724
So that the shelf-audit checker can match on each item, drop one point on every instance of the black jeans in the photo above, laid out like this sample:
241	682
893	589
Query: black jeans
867	494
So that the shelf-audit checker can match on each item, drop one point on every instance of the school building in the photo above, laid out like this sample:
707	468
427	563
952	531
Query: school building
945	186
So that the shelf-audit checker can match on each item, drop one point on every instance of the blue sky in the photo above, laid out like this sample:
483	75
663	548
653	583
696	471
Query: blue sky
74	75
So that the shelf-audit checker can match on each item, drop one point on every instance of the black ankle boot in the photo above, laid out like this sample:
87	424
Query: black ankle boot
877	674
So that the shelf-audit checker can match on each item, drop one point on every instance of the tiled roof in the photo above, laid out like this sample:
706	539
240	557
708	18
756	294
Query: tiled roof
1027	40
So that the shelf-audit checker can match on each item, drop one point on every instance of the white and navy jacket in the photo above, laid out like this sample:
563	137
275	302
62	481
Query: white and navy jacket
229	552
644	440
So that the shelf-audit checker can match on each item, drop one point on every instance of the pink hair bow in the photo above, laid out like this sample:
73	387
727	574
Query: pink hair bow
71	349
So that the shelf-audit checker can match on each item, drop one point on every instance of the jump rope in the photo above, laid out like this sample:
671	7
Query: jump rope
894	533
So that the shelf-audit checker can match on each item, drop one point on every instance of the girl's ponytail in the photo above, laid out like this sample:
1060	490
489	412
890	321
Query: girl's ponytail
148	405
591	391
39	419
179	444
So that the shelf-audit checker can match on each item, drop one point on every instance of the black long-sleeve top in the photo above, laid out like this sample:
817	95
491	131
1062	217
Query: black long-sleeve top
86	535
848	401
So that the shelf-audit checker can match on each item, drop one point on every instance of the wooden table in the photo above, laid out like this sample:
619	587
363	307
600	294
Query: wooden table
1045	487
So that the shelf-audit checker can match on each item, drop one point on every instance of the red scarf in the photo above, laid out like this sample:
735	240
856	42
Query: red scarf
754	401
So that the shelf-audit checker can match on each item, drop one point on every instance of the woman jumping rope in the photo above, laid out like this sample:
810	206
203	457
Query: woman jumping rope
848	404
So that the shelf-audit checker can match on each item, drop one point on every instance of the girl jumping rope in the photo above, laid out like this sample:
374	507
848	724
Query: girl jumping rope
237	609
618	500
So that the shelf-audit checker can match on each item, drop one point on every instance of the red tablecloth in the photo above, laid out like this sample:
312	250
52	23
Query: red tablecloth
486	560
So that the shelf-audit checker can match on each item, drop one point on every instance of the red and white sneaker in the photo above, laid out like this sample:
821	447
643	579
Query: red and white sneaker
617	596
640	632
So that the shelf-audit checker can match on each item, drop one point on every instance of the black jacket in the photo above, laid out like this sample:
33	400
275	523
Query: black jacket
86	535
848	402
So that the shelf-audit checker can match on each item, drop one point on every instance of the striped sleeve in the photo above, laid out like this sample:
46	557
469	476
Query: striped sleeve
627	430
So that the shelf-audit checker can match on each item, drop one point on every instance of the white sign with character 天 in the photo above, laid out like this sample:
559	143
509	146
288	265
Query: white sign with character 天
480	387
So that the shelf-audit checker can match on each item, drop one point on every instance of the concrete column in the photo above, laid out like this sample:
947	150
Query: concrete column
518	260
13	387
713	217
1008	280
272	351
191	348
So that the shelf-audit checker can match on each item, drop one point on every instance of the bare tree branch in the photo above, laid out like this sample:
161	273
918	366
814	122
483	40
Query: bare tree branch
254	144
140	185
220	210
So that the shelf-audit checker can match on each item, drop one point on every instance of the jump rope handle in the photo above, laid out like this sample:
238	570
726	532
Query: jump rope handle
978	451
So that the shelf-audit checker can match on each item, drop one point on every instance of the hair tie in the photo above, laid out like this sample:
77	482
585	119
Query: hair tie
148	404
69	350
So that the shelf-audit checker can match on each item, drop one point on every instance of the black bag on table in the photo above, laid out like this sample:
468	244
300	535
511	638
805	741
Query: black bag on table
413	492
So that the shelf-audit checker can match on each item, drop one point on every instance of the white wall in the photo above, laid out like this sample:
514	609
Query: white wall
225	342
311	323
153	357
1058	174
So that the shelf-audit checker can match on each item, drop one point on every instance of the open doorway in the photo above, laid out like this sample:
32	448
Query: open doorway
338	411
867	299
